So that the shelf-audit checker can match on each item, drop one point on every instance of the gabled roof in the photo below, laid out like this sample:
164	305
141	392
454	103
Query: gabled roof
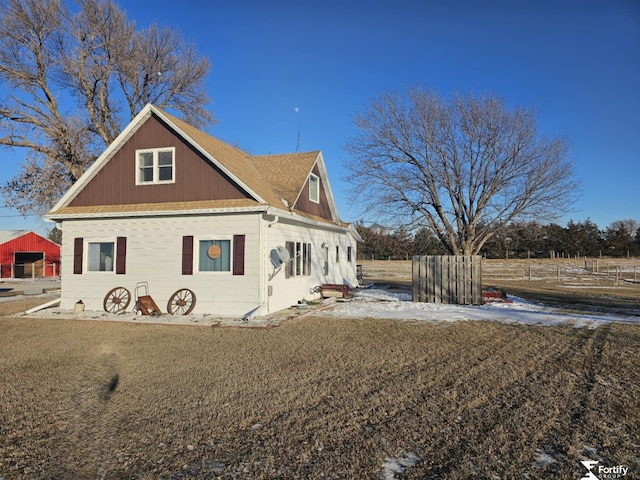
273	181
9	235
288	173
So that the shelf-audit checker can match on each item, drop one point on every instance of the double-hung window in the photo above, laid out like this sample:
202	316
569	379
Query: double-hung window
100	255
156	165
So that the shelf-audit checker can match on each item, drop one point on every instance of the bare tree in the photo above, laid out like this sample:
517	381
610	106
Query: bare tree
74	79
462	166
629	224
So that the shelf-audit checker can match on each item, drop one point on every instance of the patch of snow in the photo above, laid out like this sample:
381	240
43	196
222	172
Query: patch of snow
391	466
376	294
588	452
543	459
379	303
373	303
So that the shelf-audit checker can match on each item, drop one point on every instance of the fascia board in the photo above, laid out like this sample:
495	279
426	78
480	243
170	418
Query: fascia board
295	201
293	217
354	233
328	190
157	213
133	126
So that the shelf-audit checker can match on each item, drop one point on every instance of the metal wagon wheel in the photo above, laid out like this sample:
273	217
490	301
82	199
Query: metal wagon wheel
182	302
117	300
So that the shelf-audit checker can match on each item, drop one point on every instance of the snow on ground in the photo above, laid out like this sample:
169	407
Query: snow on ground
380	303
391	466
374	303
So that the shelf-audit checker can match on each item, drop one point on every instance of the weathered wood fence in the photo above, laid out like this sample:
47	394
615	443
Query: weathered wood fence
447	279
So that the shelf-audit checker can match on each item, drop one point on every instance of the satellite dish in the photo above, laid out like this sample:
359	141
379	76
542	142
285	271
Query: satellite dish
279	255
283	254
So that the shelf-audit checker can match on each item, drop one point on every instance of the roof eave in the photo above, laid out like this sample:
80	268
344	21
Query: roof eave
154	213
295	217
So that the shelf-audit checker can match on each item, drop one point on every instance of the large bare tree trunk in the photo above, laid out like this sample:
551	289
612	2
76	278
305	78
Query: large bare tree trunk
74	81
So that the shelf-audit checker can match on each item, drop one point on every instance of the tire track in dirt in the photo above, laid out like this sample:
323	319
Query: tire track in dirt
487	424
85	445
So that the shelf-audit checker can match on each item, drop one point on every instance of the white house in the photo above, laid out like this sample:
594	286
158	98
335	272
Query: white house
168	208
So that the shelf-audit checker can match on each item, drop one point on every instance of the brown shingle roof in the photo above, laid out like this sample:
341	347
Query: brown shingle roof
234	159
287	173
272	177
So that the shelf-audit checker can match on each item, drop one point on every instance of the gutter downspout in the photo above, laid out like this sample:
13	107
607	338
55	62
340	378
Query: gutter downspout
276	219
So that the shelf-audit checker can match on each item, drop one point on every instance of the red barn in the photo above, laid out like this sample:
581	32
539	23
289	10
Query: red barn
24	254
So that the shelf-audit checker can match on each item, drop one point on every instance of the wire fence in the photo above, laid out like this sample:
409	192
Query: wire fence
584	271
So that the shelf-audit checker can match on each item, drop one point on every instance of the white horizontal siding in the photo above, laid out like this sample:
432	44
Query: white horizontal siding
288	291
154	255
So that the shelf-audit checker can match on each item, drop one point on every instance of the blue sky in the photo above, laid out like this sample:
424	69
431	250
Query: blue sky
577	62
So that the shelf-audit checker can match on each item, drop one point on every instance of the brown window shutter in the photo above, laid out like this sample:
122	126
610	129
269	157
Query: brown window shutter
238	254
121	255
308	259
187	255
77	255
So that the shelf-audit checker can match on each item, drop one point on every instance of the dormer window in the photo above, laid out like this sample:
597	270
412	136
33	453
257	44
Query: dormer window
314	188
155	165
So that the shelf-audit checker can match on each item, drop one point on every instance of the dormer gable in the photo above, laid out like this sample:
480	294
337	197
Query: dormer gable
301	181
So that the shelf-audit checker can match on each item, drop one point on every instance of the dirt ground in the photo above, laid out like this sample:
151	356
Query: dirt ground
315	398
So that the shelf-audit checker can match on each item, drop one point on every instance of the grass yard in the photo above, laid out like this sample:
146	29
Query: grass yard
315	398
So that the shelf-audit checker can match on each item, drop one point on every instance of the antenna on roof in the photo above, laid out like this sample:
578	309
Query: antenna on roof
297	110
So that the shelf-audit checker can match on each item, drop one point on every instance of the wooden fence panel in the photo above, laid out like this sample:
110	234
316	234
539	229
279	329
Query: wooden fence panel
447	279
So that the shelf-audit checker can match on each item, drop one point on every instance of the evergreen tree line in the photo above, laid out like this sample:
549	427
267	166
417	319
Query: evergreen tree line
516	240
